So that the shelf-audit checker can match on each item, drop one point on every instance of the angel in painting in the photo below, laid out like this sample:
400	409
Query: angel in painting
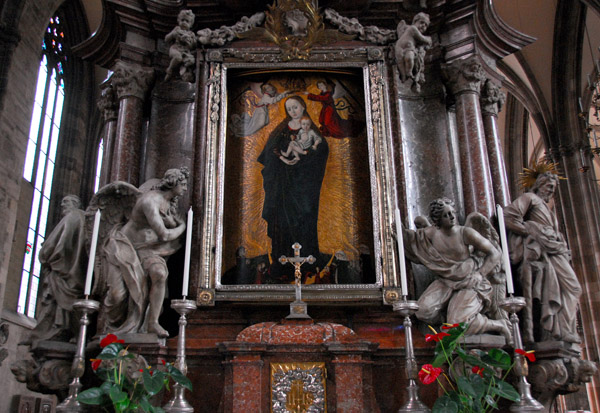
140	231
410	49
464	261
331	123
245	124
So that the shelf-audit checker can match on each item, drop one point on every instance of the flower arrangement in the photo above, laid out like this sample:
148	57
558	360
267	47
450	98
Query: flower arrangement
478	377
129	382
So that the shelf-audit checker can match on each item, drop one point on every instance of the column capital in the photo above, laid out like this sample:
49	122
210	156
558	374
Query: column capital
107	103
131	79
464	75
492	98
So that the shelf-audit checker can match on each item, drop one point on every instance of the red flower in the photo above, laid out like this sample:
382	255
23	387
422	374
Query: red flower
447	326
428	374
109	339
164	363
529	354
95	363
478	370
435	337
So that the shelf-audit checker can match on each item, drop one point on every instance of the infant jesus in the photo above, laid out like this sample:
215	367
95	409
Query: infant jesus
299	144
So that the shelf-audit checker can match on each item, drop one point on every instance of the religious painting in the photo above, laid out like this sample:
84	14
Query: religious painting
296	171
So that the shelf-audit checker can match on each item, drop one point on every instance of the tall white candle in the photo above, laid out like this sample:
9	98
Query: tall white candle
503	240
188	249
90	268
401	262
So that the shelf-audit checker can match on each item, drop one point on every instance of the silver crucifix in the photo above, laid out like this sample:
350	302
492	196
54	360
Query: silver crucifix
298	307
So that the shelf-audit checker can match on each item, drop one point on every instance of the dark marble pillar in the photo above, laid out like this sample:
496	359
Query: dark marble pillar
492	100
131	82
464	79
170	141
109	109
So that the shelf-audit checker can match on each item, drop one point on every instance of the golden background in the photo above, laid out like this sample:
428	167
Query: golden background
345	219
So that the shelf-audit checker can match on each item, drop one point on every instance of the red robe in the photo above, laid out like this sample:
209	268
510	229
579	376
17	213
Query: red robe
331	122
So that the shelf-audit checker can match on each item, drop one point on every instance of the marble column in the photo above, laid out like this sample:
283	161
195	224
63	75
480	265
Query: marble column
131	82
464	79
492	100
109	109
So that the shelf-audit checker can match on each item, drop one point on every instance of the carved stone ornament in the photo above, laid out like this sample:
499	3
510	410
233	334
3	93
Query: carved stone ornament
224	34
492	98
298	387
295	26
107	103
131	79
371	34
464	75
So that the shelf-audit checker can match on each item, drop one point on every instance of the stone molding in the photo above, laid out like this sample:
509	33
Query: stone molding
131	79
107	103
492	98
465	75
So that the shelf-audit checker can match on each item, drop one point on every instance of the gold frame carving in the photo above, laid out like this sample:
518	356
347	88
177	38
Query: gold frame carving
373	68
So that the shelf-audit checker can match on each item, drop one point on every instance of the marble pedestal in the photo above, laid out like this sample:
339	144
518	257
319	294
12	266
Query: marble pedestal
348	383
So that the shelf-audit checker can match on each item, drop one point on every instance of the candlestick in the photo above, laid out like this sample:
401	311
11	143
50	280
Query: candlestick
401	261
510	289
90	268
188	249
580	105
589	82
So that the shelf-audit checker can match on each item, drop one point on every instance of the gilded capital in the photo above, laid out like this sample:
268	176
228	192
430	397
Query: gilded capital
465	75
131	79
492	98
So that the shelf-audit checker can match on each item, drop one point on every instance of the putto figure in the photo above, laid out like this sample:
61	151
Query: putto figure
410	49
182	42
539	250
464	260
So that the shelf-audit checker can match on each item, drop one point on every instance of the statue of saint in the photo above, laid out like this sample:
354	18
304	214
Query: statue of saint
410	49
63	259
463	260
134	268
540	252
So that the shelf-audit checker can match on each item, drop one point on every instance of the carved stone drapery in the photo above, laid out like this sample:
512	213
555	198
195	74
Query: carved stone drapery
492	100
131	82
108	105
464	79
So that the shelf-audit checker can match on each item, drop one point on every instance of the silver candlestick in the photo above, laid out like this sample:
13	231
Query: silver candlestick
406	309
178	404
71	404
527	403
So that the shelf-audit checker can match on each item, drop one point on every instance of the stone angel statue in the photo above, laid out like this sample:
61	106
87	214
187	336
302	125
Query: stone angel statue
139	230
410	49
465	259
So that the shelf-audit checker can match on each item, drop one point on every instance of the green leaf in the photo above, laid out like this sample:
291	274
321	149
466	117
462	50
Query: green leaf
445	405
478	385
469	359
465	386
181	379
505	390
490	401
152	384
110	352
498	358
117	395
145	405
95	396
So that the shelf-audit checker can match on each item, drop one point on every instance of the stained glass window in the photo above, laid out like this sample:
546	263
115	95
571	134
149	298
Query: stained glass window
41	156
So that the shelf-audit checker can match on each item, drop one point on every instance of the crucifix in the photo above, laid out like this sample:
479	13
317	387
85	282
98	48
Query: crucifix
298	307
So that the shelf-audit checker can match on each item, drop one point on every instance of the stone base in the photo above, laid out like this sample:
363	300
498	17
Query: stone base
298	310
485	340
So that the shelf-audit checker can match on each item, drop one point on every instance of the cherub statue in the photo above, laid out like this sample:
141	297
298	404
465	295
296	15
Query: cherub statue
410	49
464	260
140	230
182	42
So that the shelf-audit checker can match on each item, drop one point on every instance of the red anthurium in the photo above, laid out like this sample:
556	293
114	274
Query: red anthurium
95	363
478	370
428	374
163	362
529	354
435	337
109	339
447	326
